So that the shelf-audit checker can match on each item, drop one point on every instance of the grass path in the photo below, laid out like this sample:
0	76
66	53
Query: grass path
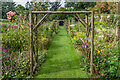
62	60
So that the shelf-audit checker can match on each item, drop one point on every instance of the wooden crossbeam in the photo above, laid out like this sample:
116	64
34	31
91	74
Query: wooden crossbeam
79	20
82	19
60	12
40	22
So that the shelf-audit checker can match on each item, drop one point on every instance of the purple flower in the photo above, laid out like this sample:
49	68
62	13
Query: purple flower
14	26
25	58
83	45
5	68
8	26
3	24
12	67
96	56
1	54
3	71
10	70
85	58
4	50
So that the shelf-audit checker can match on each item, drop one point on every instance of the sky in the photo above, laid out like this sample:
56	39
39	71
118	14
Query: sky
23	2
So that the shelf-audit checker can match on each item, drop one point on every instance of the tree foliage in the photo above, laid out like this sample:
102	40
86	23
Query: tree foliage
78	6
104	7
6	7
54	6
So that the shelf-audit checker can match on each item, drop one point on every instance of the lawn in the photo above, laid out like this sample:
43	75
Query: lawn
62	59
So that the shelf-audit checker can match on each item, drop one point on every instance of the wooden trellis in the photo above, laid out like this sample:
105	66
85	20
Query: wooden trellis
57	22
35	25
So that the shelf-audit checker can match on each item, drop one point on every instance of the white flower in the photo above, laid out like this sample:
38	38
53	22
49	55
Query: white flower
72	25
108	16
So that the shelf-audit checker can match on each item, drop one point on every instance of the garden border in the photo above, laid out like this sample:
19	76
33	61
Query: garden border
35	25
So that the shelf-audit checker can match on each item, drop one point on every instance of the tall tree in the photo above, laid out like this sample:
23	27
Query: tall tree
78	6
6	7
19	7
104	7
54	6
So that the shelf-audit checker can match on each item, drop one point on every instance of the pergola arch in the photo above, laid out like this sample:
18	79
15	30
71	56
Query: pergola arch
34	25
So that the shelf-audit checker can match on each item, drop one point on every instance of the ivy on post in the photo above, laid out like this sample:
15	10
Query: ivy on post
118	7
69	26
31	43
92	43
36	40
87	35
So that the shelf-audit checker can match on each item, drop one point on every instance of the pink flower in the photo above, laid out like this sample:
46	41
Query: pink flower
14	26
14	13
8	17
83	45
105	59
94	53
93	64
96	56
18	24
75	34
0	47
79	39
102	74
86	44
85	58
10	14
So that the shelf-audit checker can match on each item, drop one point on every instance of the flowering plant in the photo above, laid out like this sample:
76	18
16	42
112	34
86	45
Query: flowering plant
10	14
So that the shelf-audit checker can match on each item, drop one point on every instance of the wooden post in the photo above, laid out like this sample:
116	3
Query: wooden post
87	28
119	28
87	32
36	40
65	24
31	43
92	43
69	26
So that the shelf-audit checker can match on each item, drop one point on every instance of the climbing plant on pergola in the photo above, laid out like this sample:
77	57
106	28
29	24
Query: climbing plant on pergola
34	25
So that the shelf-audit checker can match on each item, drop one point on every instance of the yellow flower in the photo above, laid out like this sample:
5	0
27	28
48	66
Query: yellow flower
109	45
74	37
105	46
98	51
83	32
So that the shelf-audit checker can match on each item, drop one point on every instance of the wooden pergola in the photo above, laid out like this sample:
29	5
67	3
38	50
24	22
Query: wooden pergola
34	25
